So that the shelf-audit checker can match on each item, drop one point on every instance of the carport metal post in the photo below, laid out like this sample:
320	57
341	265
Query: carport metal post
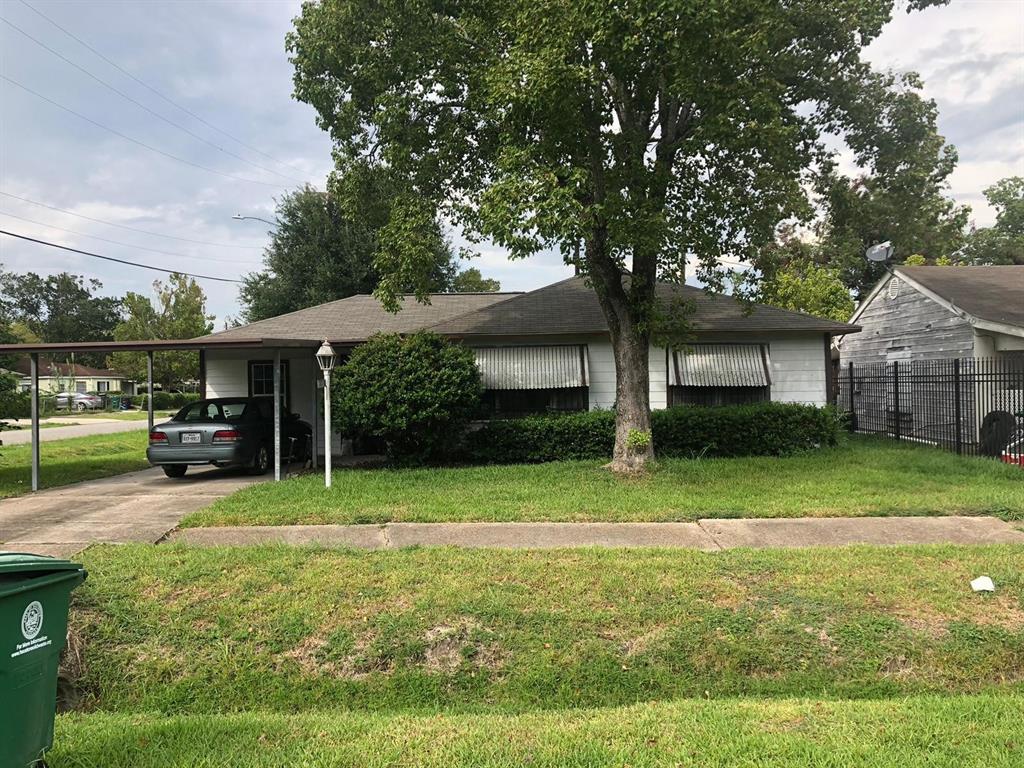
34	397
277	414
149	383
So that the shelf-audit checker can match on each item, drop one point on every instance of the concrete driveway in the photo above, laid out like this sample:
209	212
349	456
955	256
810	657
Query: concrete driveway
134	507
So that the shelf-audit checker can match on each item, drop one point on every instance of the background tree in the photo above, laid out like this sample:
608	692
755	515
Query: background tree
1002	243
471	281
807	287
62	307
646	132
325	244
903	198
179	313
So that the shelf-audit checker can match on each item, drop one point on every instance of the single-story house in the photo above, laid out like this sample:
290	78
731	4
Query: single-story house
930	313
547	350
57	377
539	351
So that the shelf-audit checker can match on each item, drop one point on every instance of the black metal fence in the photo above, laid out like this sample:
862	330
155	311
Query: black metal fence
967	405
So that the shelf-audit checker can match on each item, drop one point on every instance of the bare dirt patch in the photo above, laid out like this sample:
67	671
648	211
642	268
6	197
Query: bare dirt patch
637	645
466	640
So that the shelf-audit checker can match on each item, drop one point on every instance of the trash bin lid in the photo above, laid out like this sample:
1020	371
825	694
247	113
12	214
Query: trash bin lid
12	563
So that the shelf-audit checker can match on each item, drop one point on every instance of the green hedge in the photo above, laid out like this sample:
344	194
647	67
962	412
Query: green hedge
163	401
763	429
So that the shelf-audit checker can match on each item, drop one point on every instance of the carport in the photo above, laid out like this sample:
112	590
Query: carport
269	347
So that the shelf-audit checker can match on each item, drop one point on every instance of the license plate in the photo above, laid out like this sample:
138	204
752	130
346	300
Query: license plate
191	437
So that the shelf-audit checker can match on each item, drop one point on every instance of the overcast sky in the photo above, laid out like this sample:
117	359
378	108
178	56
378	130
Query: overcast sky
226	64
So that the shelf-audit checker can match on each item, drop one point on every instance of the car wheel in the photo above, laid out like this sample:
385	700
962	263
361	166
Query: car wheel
175	470
80	406
261	461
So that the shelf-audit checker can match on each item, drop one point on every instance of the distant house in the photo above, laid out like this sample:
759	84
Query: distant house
928	313
545	350
57	377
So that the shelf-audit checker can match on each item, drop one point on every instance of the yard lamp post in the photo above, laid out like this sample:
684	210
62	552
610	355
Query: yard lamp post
325	357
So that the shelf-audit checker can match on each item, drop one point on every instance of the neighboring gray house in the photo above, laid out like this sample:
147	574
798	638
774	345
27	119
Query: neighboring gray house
545	350
928	313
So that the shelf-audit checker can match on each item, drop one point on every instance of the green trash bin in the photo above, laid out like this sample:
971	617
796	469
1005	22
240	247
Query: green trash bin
34	594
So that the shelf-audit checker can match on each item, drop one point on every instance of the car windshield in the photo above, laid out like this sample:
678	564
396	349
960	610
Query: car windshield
231	411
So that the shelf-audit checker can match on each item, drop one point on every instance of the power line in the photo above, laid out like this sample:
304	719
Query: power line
142	106
125	226
136	141
119	261
118	242
150	88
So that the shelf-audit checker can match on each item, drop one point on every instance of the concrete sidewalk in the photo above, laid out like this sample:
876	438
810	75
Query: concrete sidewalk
707	535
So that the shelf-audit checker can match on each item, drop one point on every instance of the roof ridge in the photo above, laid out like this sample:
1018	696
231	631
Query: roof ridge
519	295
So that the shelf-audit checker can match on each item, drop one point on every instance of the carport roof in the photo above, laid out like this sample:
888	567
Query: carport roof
203	342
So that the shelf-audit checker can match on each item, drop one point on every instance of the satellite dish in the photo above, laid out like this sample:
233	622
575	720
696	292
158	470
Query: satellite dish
880	253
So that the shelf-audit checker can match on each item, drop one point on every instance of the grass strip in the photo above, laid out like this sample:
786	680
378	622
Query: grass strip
861	477
927	731
179	630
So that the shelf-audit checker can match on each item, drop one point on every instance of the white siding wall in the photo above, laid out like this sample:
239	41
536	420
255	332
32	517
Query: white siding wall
227	375
798	365
602	374
798	370
657	370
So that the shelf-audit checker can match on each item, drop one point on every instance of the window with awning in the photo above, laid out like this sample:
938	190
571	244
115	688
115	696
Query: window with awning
521	380
556	366
719	374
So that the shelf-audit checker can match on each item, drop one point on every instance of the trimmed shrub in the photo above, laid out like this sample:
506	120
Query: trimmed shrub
762	429
166	401
531	439
415	393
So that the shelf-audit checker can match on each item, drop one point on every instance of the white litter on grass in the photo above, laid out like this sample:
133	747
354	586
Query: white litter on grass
983	584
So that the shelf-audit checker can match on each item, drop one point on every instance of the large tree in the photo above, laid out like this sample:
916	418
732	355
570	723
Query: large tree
324	247
645	131
179	313
903	198
61	307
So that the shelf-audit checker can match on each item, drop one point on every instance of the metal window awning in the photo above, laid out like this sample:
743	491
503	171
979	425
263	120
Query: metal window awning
720	365
556	366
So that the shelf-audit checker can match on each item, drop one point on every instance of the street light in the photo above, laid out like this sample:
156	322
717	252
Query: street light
325	358
240	217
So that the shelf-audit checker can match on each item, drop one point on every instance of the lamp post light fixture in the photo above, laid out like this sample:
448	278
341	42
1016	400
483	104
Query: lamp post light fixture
240	217
325	358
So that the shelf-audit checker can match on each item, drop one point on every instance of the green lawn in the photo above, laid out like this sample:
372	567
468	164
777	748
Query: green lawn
861	477
927	731
287	656
137	415
183	630
72	460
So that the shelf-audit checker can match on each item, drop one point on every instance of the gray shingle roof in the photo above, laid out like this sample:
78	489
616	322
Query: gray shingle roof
564	308
993	293
571	307
358	317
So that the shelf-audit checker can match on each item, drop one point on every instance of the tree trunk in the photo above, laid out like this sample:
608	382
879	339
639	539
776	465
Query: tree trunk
633	444
630	337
